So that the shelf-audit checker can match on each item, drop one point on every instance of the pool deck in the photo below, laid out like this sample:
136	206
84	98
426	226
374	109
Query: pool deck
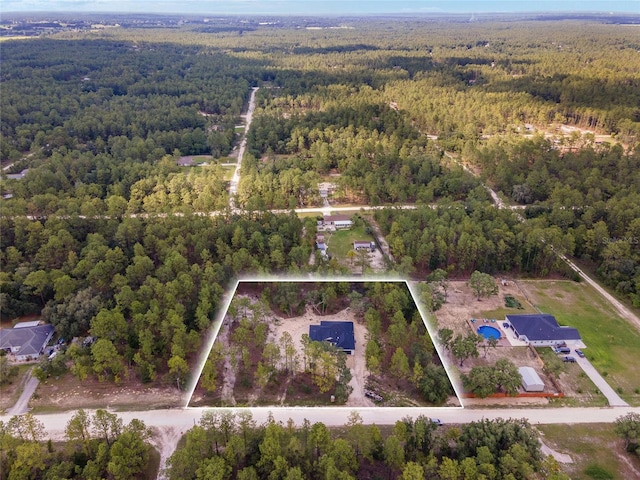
506	336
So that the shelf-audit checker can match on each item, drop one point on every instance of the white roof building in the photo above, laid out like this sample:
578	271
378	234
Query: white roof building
531	381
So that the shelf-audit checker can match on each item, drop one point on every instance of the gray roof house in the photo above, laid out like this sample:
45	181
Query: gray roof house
25	343
541	330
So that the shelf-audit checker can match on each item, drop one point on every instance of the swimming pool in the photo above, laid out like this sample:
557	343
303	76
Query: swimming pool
488	332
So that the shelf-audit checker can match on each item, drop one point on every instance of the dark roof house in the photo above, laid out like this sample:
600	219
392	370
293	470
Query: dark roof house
26	343
541	329
339	334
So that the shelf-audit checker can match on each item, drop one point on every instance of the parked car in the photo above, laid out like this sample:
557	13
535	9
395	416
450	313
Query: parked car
437	421
580	353
562	350
373	395
569	359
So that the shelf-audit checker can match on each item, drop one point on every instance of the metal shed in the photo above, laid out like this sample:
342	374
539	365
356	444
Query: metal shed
531	381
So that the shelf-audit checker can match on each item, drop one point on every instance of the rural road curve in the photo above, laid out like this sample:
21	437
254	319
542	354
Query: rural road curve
22	405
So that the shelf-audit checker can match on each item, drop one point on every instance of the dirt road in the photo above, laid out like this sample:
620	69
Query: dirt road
622	310
235	180
171	424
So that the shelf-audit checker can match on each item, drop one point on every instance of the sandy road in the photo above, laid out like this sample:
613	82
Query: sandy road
166	440
235	180
169	425
183	419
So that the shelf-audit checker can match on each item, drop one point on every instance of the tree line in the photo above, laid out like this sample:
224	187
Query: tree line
226	445
95	445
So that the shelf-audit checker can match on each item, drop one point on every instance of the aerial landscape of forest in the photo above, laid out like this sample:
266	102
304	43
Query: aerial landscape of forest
187	200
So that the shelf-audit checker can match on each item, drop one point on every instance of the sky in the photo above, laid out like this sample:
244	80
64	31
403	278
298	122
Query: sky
314	7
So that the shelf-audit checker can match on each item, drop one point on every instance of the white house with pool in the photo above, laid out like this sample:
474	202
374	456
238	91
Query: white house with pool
541	330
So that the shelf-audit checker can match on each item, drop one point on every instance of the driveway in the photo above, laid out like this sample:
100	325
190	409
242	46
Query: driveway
22	405
612	397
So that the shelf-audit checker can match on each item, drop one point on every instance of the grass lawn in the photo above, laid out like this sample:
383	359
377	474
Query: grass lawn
310	214
341	242
595	449
613	345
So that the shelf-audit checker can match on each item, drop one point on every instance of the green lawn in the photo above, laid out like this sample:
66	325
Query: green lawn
595	449
341	242
613	345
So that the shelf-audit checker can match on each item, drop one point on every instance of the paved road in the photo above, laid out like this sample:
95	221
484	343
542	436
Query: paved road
612	397
22	405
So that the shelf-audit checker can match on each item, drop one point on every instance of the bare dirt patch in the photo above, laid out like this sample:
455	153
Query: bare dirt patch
462	305
67	393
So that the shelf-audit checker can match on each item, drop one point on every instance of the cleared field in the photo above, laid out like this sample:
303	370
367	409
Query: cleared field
613	346
596	451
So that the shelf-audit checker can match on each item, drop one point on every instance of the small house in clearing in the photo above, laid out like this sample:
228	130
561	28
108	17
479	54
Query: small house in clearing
25	342
531	381
541	330
334	222
340	334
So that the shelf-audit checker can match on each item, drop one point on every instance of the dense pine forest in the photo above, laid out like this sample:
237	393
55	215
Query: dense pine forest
110	238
